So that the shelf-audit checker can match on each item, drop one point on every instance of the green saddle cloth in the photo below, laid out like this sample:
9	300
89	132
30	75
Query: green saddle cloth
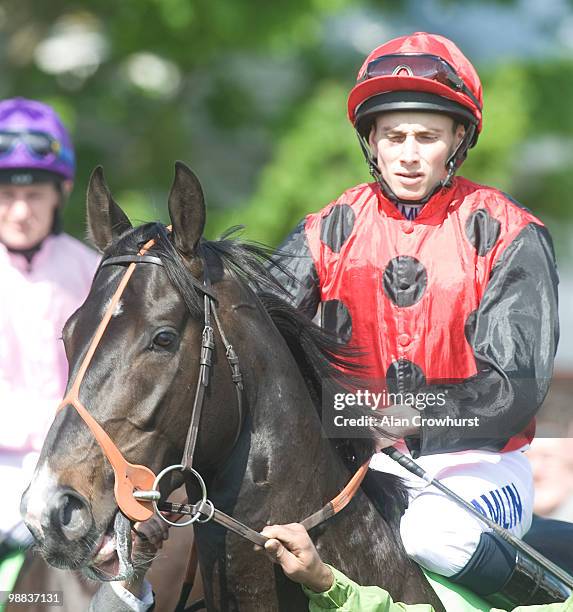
455	597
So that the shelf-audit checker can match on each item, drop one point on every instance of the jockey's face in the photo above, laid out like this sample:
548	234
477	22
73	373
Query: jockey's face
411	148
27	213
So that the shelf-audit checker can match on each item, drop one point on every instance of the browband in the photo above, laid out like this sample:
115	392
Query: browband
152	259
127	259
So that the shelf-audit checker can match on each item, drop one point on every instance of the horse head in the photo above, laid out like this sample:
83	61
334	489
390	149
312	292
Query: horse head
140	381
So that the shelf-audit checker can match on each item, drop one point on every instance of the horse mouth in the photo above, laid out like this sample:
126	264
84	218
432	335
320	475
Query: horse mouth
106	556
112	557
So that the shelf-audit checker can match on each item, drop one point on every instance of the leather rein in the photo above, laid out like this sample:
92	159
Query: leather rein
136	487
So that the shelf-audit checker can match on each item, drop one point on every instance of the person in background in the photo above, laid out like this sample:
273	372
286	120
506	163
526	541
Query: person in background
551	458
45	275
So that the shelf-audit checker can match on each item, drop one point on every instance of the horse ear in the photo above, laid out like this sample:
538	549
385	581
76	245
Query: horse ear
106	220
186	209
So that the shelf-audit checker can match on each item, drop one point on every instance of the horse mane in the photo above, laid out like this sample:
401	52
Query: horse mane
325	363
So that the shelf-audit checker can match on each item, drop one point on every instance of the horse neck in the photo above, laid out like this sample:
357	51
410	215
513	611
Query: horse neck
289	469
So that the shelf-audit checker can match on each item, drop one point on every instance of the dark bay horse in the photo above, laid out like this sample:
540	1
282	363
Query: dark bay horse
267	464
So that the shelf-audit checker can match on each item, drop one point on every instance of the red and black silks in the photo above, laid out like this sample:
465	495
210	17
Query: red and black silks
467	291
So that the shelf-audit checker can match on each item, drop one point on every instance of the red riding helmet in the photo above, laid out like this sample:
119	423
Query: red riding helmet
417	72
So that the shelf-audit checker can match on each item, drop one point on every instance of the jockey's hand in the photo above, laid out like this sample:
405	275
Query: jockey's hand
404	415
291	547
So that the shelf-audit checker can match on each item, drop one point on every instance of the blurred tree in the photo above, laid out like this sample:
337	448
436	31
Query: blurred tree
314	162
144	82
252	95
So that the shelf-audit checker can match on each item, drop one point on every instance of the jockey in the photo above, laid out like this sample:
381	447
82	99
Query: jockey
45	276
450	290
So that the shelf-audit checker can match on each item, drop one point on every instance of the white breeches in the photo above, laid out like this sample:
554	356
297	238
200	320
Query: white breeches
440	535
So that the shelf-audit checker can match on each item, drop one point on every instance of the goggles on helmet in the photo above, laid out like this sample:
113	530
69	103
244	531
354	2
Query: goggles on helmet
422	65
39	144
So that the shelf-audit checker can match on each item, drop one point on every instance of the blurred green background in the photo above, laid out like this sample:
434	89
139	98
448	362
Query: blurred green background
252	95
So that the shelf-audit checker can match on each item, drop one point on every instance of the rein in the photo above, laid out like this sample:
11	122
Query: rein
136	487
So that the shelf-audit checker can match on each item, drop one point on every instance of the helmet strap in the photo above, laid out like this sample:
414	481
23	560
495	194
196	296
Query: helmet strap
375	171
28	254
456	159
57	224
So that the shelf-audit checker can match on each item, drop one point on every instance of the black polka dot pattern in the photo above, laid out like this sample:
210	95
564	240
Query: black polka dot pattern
470	326
337	226
403	376
336	319
482	230
405	280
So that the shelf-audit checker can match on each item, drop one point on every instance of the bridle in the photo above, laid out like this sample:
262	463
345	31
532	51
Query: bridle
136	487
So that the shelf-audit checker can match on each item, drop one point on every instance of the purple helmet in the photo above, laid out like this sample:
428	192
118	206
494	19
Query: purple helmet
34	144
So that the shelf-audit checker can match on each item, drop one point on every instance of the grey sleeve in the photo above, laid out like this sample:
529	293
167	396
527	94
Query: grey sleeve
514	339
106	600
296	273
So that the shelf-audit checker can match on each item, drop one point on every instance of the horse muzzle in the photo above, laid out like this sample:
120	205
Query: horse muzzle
61	521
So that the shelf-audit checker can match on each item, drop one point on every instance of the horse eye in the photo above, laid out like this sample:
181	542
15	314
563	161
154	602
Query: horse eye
164	339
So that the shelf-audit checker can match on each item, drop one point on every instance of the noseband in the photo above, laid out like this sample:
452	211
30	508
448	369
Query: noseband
136	487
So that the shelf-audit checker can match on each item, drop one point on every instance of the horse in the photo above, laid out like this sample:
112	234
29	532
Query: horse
266	462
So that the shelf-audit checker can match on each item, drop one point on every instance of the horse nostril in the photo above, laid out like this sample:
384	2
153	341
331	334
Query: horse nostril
70	506
73	516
